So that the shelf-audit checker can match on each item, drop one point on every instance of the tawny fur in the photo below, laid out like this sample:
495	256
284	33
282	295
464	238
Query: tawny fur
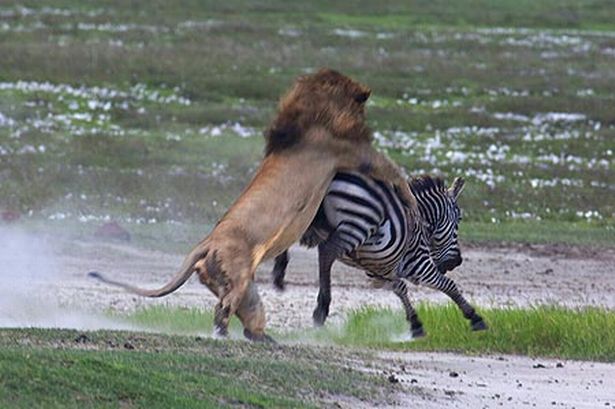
319	130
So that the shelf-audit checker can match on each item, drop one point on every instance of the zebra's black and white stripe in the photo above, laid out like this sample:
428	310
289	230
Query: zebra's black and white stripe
362	223
370	223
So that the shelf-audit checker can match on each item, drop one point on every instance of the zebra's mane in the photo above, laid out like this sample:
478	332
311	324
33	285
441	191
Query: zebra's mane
424	183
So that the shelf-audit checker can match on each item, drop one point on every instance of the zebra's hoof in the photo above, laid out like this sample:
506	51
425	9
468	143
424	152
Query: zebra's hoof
279	284
319	316
479	325
418	332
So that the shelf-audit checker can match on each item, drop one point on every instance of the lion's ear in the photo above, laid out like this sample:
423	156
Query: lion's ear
363	96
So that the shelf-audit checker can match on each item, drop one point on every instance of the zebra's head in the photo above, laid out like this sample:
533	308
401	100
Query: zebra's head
441	215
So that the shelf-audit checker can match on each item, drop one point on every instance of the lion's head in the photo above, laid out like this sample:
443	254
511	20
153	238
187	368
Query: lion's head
326	98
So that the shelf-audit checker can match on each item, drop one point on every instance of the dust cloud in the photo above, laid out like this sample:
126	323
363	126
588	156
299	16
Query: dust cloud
29	274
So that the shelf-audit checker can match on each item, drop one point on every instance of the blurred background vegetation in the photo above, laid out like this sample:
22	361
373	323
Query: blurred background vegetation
151	113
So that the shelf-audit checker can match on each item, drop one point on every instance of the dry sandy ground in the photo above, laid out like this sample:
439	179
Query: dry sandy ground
497	276
457	381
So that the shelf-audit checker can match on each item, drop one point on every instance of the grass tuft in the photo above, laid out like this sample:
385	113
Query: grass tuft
548	331
178	320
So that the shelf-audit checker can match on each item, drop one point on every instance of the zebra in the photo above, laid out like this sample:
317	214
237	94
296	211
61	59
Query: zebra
362	222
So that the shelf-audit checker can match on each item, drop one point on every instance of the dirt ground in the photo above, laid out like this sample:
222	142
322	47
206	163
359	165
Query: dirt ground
490	277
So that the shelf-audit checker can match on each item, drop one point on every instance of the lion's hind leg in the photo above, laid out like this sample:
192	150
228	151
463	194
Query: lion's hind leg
211	274
215	275
244	301
251	313
229	275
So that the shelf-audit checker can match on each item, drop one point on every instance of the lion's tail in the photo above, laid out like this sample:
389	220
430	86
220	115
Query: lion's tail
180	278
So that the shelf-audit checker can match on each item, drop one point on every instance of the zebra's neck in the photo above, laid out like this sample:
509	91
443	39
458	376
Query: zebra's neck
430	212
417	253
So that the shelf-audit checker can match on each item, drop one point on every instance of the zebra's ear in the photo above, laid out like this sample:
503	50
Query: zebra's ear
456	188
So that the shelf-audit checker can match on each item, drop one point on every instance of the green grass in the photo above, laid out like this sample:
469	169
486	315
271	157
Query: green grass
543	232
70	369
546	331
177	320
393	14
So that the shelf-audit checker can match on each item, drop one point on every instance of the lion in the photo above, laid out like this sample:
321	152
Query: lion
319	130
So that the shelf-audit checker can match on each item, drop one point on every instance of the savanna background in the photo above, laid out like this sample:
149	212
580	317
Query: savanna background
149	115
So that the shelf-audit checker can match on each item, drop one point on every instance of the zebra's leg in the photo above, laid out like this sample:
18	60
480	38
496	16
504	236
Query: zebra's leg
279	270
416	326
328	252
448	287
311	238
